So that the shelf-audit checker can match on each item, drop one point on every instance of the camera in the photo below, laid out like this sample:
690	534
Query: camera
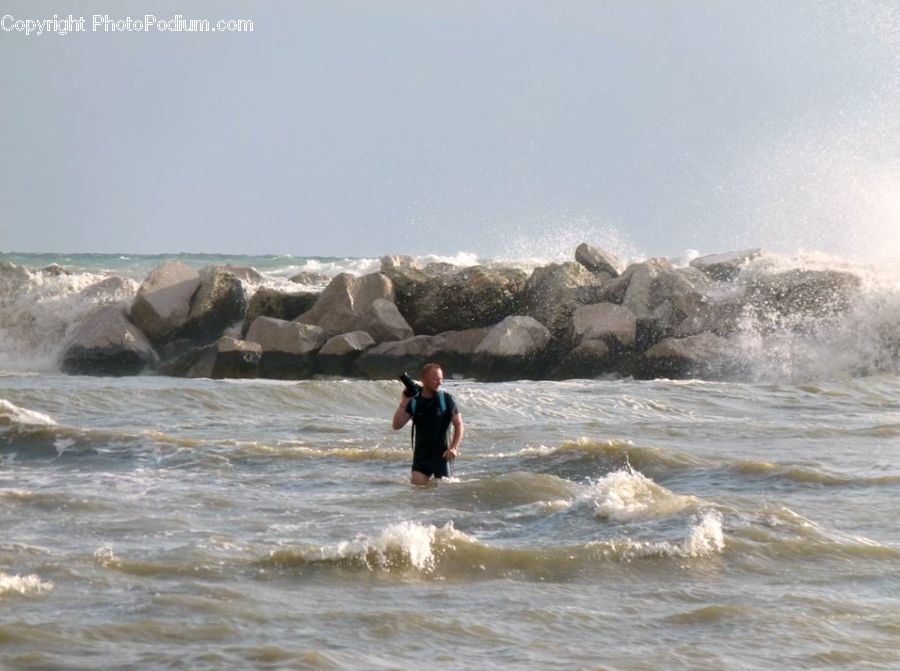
412	387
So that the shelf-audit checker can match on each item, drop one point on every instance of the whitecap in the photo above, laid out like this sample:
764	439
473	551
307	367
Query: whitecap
27	584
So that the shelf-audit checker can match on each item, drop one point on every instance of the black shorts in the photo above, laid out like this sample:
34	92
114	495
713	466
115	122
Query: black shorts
438	468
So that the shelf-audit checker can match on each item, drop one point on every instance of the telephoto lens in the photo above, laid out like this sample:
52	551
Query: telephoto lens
412	388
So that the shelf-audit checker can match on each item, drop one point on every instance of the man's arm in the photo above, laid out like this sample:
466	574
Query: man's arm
458	430
401	416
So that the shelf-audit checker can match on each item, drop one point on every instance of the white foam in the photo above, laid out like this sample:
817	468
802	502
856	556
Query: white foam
28	584
13	415
626	495
406	542
39	310
705	538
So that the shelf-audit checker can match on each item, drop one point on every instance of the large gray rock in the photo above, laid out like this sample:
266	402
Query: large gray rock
607	322
383	321
470	298
553	292
590	359
516	336
597	260
106	343
288	347
725	267
387	360
218	304
802	295
246	274
454	350
163	301
347	343
226	358
346	304
236	358
705	356
633	287
659	296
268	302
290	337
513	349
340	352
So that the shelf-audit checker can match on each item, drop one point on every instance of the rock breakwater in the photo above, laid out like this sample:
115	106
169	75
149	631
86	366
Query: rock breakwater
584	318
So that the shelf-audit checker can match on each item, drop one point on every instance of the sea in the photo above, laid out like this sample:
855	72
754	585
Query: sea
152	522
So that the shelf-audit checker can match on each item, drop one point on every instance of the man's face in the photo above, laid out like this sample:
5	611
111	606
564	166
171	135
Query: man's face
433	379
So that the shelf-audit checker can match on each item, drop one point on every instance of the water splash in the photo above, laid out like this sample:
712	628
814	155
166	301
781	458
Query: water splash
25	585
626	496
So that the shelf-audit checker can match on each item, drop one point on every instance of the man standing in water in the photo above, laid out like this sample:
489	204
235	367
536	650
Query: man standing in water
432	411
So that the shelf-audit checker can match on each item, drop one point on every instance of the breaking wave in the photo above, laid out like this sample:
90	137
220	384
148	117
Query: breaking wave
23	585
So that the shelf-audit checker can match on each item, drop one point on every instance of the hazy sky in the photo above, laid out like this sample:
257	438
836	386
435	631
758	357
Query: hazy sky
500	127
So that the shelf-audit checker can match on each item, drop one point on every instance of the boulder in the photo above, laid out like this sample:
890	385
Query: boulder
311	279
340	352
802	295
54	270
226	358
454	350
268	302
553	292
720	316
590	359
163	301
346	304
440	268
597	261
288	347
705	356
725	267
470	298
218	304
606	322
659	296
387	360
236	358
246	274
383	321
512	349
106	343
347	343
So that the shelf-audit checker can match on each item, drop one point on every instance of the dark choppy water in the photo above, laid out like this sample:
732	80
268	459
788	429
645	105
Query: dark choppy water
166	523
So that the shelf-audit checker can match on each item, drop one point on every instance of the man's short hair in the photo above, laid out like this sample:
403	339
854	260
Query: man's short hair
428	367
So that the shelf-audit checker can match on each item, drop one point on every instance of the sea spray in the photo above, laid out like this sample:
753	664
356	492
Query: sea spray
38	311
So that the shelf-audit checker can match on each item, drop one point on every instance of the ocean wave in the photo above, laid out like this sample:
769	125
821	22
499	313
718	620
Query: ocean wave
784	535
627	496
24	585
515	489
106	558
615	454
808	475
431	552
12	415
